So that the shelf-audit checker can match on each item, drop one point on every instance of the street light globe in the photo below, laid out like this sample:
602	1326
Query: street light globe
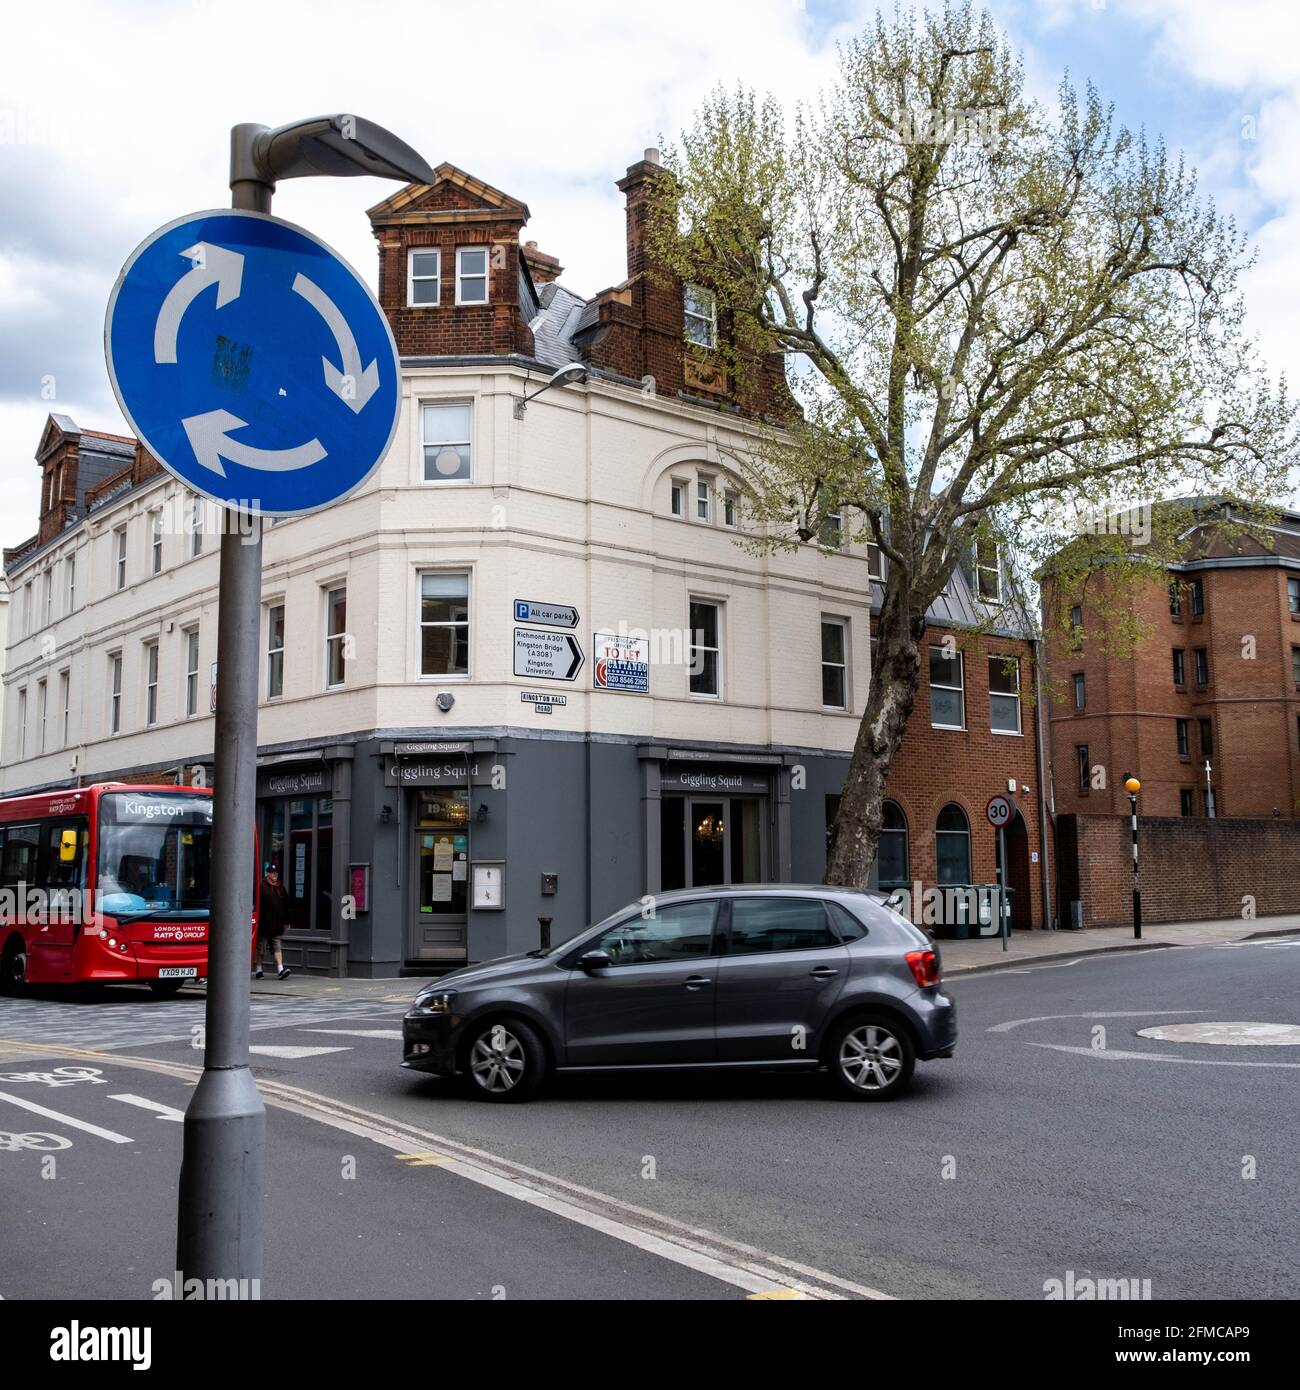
1132	786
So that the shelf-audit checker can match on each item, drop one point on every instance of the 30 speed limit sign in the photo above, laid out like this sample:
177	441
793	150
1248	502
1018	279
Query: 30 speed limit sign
998	812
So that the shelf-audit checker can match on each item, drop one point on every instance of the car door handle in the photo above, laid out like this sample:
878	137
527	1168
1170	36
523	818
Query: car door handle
823	972
696	981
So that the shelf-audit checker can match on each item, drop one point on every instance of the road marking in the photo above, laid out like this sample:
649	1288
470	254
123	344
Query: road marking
776	1293
66	1119
293	1054
1107	1054
424	1160
1054	1018
165	1112
392	1033
730	1261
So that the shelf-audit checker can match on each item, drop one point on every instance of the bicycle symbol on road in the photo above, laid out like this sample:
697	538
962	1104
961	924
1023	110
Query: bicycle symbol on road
60	1076
38	1143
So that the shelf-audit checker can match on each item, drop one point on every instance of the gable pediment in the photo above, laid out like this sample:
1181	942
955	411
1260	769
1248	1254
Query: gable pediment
453	196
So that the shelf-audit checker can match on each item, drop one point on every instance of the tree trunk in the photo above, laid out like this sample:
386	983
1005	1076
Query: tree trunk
895	677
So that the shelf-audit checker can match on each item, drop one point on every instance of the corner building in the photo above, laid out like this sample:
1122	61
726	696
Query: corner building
436	747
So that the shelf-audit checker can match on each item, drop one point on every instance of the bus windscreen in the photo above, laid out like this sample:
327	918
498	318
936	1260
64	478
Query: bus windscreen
154	853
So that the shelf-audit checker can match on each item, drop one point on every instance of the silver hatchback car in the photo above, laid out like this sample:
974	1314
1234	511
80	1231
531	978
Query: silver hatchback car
748	976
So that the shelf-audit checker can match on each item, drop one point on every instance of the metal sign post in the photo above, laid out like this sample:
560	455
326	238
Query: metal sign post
320	403
998	813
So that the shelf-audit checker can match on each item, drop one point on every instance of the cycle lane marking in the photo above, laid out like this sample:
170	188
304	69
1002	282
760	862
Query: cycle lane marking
69	1120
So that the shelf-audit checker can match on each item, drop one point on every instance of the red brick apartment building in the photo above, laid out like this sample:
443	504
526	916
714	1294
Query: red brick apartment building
1215	678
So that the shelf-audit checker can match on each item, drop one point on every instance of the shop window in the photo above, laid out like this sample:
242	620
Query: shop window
443	851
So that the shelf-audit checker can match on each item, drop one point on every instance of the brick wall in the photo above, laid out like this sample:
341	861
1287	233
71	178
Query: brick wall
1129	721
968	766
1191	869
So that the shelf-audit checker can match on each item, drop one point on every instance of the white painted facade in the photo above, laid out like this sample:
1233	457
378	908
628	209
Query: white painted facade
570	505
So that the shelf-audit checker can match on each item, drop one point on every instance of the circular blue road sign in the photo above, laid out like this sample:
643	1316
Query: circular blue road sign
253	362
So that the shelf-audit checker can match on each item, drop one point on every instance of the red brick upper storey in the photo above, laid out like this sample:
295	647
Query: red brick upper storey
1230	626
635	330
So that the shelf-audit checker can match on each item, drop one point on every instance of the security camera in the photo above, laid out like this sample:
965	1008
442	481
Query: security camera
445	701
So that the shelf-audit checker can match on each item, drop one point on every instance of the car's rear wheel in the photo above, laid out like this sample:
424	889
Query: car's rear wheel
871	1057
505	1060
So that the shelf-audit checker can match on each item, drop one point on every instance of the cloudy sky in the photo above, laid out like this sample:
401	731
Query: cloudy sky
114	117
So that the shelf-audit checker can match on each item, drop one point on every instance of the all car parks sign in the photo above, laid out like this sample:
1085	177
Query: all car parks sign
620	663
545	614
547	656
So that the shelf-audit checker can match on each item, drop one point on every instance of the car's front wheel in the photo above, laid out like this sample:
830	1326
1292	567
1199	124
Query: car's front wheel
505	1061
871	1057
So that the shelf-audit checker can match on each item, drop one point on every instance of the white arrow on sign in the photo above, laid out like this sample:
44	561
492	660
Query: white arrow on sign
353	386
213	265
209	438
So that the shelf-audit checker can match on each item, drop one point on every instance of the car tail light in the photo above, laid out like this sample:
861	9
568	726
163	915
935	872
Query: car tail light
924	966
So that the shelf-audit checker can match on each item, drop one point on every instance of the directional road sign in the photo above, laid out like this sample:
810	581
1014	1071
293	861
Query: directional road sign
545	614
253	362
547	656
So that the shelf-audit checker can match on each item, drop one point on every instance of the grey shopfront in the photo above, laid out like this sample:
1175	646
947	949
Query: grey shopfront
410	856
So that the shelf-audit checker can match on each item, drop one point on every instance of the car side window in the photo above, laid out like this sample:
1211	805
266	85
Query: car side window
778	924
848	926
681	931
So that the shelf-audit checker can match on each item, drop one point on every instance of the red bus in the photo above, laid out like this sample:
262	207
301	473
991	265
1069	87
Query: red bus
106	884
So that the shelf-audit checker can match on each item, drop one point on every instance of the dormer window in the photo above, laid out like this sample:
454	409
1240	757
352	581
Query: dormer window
701	312
423	273
988	570
472	275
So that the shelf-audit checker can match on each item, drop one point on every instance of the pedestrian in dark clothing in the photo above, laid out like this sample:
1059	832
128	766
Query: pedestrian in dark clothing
272	913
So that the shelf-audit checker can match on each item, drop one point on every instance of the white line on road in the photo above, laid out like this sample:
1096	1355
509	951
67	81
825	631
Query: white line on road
293	1054
1107	1054
66	1119
165	1112
392	1033
1053	1018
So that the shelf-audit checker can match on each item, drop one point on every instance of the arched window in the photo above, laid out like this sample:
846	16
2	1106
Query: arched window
892	860
952	845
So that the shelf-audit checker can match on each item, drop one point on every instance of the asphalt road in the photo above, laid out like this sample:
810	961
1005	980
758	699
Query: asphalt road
1043	1147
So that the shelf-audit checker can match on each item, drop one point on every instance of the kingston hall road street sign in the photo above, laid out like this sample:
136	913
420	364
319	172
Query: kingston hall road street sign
253	362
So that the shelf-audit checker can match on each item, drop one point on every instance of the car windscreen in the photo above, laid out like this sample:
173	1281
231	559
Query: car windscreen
154	853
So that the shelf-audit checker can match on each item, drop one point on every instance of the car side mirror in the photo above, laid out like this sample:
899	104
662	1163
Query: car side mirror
594	960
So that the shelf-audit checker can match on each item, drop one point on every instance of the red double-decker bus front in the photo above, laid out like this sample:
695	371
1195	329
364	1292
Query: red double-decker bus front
105	884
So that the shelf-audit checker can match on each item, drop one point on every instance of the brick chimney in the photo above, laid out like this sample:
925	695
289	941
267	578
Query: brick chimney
541	267
635	186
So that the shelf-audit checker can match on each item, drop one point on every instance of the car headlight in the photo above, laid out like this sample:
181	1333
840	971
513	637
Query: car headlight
436	1001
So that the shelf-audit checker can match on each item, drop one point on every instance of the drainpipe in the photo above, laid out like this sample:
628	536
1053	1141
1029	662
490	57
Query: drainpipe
1044	871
